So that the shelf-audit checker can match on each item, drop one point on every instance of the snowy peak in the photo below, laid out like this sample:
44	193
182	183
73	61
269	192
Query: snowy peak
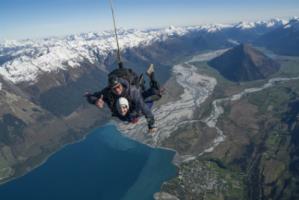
293	24
211	28
272	23
283	40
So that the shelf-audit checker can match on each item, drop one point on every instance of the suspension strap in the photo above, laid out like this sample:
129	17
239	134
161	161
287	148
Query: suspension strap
120	65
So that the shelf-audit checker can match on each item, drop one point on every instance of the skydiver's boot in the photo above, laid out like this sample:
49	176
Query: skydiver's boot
150	72
154	85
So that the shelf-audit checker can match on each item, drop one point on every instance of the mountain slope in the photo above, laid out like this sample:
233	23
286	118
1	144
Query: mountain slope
29	132
244	63
284	40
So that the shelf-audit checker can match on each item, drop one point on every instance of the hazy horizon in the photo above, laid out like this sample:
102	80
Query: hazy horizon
33	19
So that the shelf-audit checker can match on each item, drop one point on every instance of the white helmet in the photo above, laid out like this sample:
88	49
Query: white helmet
122	102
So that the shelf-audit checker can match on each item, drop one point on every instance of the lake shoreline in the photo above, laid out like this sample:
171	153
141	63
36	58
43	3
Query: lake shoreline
50	155
175	157
106	144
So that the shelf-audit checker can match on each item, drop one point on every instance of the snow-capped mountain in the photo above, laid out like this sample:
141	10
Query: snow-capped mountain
293	24
283	40
24	61
272	23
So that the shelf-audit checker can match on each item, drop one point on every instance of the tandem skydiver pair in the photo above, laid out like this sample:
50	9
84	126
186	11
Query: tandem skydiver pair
127	97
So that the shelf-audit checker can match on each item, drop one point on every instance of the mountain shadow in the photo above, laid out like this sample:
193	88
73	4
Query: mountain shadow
244	63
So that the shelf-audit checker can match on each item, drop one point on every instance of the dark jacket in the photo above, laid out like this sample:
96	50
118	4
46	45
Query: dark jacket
133	94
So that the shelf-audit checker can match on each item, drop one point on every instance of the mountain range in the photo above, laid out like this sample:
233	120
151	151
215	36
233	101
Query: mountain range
23	61
283	40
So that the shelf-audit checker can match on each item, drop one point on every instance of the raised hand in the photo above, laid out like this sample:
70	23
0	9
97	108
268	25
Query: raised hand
100	102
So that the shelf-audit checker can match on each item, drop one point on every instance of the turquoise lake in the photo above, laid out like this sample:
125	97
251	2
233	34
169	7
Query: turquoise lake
104	166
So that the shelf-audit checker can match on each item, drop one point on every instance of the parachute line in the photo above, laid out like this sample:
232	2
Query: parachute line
116	36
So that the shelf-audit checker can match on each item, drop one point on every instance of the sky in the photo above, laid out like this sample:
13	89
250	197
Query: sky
21	19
